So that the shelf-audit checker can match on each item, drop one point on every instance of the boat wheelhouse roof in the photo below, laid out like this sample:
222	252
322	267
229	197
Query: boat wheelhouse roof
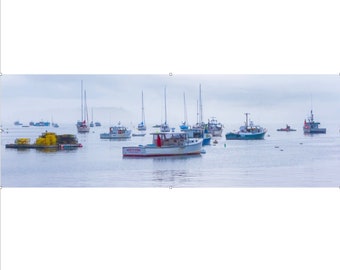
118	127
251	127
168	133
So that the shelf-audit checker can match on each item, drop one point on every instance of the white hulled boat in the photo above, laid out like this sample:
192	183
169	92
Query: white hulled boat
117	132
214	127
165	144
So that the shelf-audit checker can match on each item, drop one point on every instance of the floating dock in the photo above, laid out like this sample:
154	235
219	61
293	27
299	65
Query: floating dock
47	140
37	146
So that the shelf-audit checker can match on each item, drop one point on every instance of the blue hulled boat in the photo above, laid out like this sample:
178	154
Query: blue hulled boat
247	132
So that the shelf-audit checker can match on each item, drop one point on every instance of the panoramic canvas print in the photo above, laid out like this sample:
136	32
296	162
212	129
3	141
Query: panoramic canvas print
170	131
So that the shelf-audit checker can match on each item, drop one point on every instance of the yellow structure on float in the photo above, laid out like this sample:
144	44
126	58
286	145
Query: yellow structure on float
22	141
47	138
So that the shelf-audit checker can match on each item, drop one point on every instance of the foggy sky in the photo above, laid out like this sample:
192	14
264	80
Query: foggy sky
113	98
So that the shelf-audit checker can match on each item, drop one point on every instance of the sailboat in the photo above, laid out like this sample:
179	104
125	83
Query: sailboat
200	123
200	130
82	126
141	125
184	125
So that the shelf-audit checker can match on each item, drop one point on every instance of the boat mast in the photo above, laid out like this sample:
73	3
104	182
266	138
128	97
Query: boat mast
185	110
197	113
143	115
86	112
311	116
201	106
311	106
165	104
246	118
81	102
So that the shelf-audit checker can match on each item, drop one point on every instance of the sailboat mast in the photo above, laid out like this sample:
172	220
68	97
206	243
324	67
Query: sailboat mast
81	102
185	110
143	115
86	112
165	105
201	106
197	113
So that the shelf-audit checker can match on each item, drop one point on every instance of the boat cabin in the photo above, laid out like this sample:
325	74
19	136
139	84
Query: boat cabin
169	139
251	129
118	130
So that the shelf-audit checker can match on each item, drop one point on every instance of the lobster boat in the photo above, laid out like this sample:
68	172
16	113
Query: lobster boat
117	132
247	132
166	144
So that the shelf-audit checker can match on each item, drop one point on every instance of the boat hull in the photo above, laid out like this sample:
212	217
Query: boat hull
285	129
314	130
245	136
83	129
138	134
206	141
151	150
115	136
141	127
216	133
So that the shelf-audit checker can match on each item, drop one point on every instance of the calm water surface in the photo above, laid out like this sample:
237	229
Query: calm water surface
280	160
